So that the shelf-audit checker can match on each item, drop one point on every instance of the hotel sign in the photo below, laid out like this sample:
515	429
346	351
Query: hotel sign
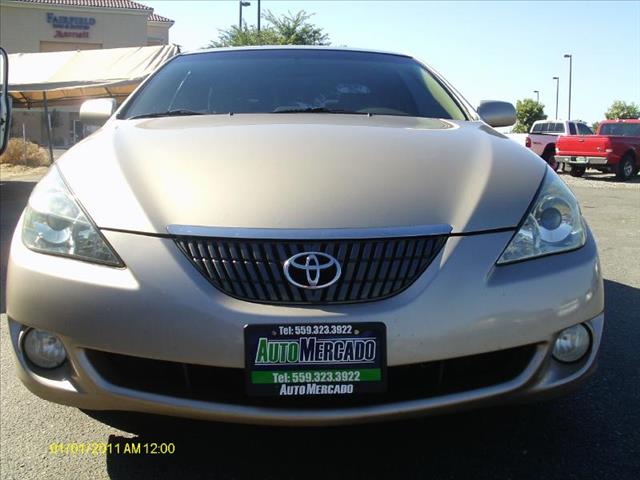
70	27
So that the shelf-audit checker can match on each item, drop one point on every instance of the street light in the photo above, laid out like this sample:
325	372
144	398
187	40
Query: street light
570	57
242	4
557	79
258	15
537	92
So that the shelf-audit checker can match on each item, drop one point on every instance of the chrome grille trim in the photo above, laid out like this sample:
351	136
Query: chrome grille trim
252	269
309	234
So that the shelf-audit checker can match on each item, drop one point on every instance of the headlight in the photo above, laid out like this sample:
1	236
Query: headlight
55	223
553	224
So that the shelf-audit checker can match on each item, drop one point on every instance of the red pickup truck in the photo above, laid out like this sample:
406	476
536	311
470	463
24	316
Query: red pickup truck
615	148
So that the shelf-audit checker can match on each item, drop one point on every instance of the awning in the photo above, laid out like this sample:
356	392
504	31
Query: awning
71	76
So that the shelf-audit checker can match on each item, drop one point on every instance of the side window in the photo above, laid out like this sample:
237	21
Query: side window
572	128
558	128
544	127
537	128
584	130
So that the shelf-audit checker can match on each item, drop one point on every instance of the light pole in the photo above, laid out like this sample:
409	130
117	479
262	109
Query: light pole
557	79
258	15
570	57
241	4
537	92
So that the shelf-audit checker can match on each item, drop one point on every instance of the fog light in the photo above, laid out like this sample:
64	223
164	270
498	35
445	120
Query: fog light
572	344
44	349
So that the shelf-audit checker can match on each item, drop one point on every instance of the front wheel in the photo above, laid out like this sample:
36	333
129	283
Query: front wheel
576	170
626	168
549	157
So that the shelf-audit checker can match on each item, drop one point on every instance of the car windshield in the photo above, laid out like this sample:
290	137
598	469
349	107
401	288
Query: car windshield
293	81
621	129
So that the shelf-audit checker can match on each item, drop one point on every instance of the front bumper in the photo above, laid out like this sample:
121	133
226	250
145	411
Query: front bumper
81	386
161	308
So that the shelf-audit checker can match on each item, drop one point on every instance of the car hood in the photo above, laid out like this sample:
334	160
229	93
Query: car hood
301	171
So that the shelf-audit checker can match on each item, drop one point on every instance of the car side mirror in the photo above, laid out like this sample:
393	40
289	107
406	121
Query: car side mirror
496	113
5	101
97	111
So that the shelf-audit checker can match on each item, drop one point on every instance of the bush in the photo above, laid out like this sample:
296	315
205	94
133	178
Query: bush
36	156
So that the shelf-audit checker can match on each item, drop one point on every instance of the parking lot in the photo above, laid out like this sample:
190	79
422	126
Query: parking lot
593	433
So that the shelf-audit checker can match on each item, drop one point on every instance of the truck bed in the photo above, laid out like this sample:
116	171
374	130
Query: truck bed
583	145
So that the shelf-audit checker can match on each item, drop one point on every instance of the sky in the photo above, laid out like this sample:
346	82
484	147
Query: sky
488	50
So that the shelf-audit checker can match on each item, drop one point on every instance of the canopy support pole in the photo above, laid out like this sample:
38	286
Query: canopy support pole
48	125
26	100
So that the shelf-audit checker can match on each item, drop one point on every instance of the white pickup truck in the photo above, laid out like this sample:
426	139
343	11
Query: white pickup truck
544	133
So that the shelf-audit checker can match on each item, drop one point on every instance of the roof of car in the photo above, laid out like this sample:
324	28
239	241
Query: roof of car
557	120
296	47
622	120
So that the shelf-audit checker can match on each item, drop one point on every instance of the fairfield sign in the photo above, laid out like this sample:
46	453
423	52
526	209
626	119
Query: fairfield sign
70	27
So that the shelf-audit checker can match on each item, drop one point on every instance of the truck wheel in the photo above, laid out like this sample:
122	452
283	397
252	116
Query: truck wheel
576	170
550	157
626	167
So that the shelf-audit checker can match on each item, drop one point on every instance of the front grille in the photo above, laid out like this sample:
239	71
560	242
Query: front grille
252	270
227	385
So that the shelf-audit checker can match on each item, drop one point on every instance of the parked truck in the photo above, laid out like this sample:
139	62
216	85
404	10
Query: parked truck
5	101
544	134
615	149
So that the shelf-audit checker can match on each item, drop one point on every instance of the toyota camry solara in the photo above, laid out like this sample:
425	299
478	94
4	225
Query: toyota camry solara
301	236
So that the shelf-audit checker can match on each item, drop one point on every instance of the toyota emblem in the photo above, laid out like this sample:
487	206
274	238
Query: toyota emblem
312	270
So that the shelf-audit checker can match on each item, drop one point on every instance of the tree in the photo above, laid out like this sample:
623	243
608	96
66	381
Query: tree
594	126
237	37
290	29
620	109
527	112
295	30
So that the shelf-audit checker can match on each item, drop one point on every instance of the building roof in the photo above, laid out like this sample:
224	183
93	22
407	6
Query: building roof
154	17
110	4
125	4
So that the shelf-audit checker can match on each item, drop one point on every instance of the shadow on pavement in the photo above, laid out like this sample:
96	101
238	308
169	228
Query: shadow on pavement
597	176
577	436
13	198
433	447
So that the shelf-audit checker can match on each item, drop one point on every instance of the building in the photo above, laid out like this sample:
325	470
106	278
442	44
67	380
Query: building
28	26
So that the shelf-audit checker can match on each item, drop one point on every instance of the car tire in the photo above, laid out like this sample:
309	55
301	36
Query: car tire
576	170
626	168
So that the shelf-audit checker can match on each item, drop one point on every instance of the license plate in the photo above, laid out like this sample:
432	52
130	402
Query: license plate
315	360
581	159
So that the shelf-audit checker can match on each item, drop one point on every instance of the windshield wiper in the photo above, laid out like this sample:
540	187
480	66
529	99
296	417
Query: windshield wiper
318	110
168	113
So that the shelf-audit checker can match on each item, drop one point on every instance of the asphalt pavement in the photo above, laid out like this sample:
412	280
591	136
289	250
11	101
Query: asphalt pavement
593	433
